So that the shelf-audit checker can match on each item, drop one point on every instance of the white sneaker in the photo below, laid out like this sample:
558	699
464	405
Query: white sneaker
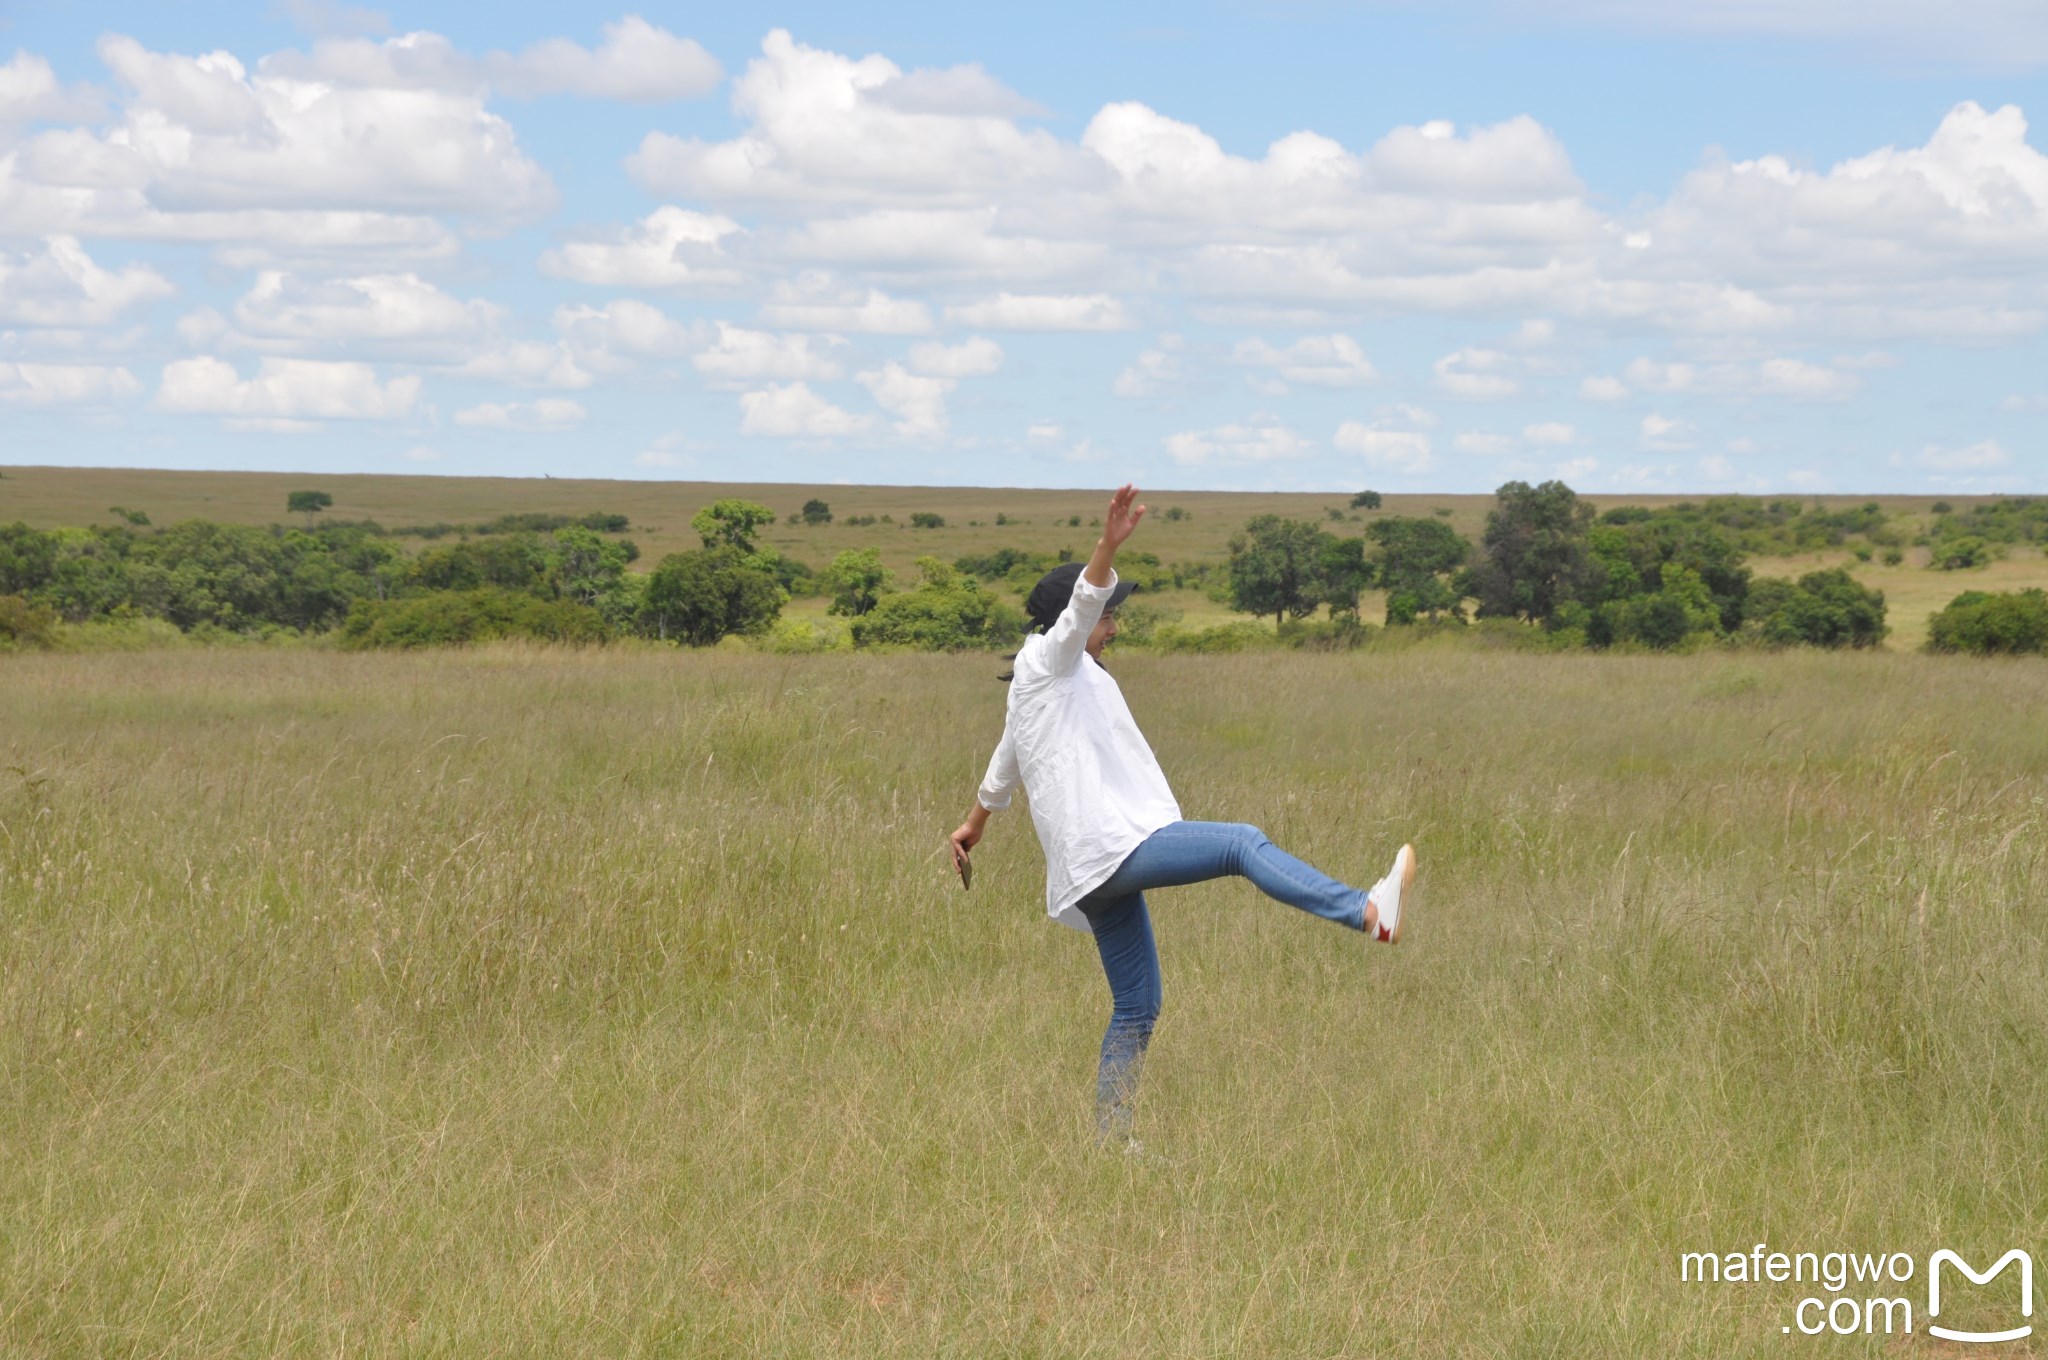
1390	895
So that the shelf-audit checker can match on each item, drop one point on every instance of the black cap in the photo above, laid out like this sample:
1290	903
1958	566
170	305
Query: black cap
1055	590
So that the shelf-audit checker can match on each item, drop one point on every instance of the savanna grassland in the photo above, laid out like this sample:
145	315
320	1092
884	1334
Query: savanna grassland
1038	520
516	1001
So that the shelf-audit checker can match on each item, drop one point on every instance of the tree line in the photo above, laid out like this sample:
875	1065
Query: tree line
1665	578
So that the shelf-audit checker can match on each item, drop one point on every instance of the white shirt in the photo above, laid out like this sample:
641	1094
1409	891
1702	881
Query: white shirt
1096	789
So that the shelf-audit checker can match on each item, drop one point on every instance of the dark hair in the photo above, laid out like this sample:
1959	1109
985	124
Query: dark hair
1050	597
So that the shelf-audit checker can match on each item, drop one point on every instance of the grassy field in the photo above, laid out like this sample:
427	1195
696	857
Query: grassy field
620	1003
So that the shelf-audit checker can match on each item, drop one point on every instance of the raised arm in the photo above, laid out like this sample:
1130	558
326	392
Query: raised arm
1068	637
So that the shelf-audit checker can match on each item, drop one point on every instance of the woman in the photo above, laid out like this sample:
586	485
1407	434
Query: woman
1108	823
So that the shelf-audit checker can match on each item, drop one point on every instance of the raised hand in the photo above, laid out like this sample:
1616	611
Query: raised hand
1122	516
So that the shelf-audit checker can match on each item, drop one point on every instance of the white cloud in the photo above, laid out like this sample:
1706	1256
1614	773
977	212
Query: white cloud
292	311
623	330
1603	389
1019	312
527	363
287	389
1550	433
1154	373
546	413
1665	432
59	285
637	62
669	248
1262	439
816	131
1312	361
2023	403
918	403
743	356
1476	375
1482	442
421	453
1396	440
1793	378
963	91
1044	432
977	357
1983	456
796	412
202	133
812	301
64	384
1577	468
30	93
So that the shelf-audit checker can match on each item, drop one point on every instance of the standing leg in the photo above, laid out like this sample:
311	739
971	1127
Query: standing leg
1192	852
1130	959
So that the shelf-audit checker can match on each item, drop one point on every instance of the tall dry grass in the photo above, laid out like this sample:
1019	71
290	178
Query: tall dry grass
517	1002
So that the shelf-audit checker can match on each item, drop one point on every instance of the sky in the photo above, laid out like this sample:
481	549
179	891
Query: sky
1750	246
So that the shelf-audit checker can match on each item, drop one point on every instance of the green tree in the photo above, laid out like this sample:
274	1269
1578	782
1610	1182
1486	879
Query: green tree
307	503
1824	609
1275	568
700	597
927	519
1533	556
731	522
1366	500
857	581
817	512
1345	571
589	569
1415	557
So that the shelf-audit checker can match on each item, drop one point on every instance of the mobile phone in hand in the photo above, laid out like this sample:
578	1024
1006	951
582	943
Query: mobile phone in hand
964	865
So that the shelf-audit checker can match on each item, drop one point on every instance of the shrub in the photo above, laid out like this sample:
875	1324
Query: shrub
926	519
1176	514
1942	508
1224	637
1961	553
1366	500
816	512
1139	621
442	617
25	624
946	612
2014	622
793	637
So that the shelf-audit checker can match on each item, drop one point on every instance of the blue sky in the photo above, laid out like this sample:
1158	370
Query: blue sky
1730	246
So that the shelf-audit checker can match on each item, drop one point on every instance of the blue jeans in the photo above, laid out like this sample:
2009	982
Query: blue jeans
1185	852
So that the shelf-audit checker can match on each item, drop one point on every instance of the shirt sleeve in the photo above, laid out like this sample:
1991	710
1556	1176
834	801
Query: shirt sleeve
1067	639
1002	777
